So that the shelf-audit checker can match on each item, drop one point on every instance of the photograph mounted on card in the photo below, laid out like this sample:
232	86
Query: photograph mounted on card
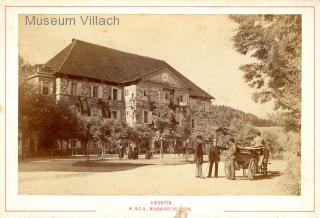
188	104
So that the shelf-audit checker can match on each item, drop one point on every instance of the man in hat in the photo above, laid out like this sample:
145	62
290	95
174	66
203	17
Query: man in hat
214	156
232	149
199	156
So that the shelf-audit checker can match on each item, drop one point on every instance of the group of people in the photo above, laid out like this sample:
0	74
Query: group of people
128	152
215	151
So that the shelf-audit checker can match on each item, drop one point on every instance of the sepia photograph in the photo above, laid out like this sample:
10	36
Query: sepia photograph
146	104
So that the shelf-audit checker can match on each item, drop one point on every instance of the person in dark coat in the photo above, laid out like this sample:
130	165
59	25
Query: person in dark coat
199	156
214	157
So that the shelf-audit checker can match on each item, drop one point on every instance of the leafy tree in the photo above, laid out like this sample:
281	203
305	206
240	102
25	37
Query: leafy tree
84	132
35	113
274	41
164	125
63	123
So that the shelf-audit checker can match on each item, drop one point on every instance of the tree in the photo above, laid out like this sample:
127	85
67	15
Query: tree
63	123
84	132
274	41
35	113
101	132
164	125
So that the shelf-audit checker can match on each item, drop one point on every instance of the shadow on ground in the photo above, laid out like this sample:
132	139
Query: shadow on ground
270	175
79	166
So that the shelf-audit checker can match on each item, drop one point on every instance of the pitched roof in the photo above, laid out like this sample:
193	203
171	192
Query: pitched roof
89	60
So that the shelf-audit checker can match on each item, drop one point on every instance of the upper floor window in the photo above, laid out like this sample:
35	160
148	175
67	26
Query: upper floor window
116	93
45	88
95	91
145	116
74	87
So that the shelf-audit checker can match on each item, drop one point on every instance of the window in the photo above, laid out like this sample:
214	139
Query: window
45	88
192	123
145	93
76	110
74	88
94	91
180	98
116	94
145	116
115	115
96	112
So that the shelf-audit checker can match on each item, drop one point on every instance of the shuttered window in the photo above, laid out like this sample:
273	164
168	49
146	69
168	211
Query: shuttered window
94	91
116	93
74	87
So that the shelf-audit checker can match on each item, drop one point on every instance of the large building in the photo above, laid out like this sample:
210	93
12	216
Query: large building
100	81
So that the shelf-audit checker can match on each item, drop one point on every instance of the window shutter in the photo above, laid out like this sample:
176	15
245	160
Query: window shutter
69	87
79	85
99	91
91	91
119	94
50	88
112	93
149	117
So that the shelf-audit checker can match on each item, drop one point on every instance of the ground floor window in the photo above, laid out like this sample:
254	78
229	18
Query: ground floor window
115	115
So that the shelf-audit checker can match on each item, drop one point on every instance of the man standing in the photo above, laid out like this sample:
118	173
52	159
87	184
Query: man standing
199	156
214	157
232	149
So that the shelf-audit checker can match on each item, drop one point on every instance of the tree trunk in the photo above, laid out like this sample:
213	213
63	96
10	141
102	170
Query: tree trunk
161	151
103	151
87	151
61	152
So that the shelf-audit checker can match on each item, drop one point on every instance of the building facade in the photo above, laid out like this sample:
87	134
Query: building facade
99	81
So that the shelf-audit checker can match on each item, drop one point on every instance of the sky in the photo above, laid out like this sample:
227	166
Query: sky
198	46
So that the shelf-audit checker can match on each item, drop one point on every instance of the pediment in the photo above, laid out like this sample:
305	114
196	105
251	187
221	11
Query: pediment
166	78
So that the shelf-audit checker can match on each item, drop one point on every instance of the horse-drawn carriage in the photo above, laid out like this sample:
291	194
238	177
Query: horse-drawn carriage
251	160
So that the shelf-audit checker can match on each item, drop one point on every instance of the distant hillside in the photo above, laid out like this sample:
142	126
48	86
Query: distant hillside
226	114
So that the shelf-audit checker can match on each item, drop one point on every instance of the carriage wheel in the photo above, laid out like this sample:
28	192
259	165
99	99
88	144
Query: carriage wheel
252	169
227	167
245	172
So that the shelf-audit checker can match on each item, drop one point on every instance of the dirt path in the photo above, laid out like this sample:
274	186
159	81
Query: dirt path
140	177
